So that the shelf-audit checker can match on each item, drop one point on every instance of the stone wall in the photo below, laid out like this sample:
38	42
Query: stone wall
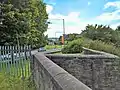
99	71
87	51
49	76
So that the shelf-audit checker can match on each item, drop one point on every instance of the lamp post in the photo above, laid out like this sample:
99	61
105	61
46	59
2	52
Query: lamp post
63	27
56	37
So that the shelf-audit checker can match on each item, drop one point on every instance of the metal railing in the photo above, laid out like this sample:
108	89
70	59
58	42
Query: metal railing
15	60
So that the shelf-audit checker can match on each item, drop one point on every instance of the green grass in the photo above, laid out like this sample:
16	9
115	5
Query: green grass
8	82
47	47
20	68
12	79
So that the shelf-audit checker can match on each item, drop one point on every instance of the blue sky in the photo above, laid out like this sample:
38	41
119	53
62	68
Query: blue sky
79	13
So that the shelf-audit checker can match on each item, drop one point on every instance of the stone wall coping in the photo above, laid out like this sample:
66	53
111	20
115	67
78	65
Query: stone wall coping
65	80
101	52
82	56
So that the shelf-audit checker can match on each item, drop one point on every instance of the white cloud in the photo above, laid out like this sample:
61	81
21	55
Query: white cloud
109	16
49	8
115	4
114	26
74	23
73	16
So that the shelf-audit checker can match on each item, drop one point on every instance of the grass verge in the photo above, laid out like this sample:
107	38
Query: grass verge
48	47
13	79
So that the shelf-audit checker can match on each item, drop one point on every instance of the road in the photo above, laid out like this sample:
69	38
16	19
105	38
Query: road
16	56
45	52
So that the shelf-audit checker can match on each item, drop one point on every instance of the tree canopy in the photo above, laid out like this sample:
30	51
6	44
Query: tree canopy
23	20
103	33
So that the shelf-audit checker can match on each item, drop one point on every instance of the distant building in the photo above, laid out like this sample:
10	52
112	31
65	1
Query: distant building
52	41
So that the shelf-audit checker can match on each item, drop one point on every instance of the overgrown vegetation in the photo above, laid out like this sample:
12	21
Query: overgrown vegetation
8	82
98	37
88	43
16	77
73	47
102	33
106	47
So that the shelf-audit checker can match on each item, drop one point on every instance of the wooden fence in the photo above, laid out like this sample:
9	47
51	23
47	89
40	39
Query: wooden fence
15	60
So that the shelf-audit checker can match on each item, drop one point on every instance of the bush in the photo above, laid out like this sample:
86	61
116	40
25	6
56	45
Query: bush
86	42
73	47
76	46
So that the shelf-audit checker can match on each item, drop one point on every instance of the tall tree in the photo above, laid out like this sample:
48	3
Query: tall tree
37	16
98	32
118	28
13	24
22	17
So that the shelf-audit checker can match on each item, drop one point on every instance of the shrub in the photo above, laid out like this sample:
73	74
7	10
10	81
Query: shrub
76	46
73	47
86	42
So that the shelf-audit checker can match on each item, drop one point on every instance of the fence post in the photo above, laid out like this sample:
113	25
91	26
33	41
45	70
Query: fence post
0	60
12	55
31	65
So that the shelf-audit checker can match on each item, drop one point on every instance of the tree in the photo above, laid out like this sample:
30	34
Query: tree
37	15
23	20
118	28
13	23
36	39
98	32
